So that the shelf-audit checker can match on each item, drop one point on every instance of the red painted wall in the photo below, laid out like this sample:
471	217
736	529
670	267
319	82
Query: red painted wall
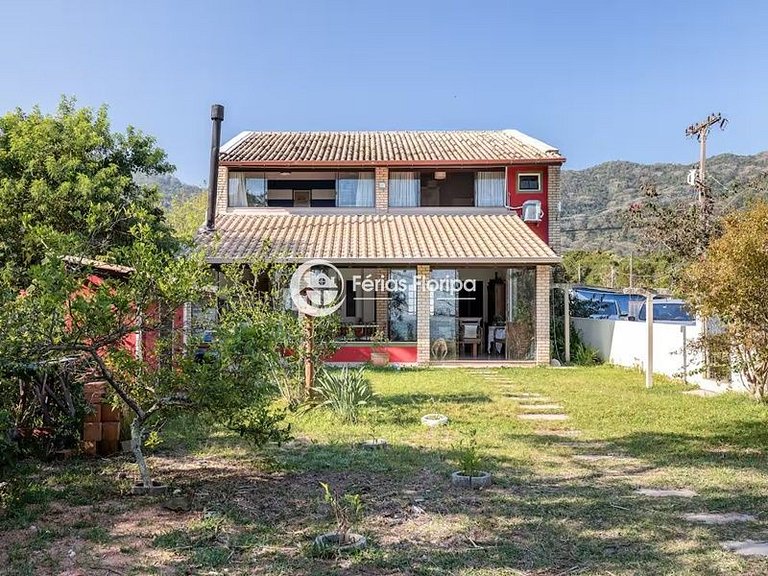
516	198
397	354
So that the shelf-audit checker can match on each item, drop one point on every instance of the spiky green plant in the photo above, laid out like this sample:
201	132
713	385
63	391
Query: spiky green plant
343	392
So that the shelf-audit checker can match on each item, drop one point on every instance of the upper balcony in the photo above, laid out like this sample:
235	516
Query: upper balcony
366	189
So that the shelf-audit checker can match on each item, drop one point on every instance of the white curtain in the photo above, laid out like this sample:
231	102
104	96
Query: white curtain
355	189
404	189
489	189
238	190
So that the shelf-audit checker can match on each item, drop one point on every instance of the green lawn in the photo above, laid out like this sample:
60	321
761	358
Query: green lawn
549	511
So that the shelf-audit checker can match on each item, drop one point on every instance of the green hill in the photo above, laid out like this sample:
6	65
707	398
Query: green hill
171	188
594	199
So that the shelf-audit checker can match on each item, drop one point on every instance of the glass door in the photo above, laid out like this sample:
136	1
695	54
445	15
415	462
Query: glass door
443	315
521	307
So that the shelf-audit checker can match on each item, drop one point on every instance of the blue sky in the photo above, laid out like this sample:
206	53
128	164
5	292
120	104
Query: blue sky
600	80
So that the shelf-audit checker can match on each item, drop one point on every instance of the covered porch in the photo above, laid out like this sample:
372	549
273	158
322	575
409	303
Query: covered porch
425	288
434	314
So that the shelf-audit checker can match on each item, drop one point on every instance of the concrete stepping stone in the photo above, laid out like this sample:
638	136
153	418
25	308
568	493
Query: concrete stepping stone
666	493
560	433
719	518
591	444
746	547
532	399
700	392
599	457
537	407
545	417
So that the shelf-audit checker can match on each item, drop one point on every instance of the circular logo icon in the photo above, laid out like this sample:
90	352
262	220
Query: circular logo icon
317	288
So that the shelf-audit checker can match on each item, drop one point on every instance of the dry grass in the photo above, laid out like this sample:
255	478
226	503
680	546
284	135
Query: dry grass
548	513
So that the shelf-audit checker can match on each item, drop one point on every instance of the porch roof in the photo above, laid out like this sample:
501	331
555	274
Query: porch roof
391	148
385	239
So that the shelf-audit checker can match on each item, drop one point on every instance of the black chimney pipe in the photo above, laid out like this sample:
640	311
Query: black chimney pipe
217	115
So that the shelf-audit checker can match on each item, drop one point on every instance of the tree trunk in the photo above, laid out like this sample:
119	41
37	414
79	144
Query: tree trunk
137	427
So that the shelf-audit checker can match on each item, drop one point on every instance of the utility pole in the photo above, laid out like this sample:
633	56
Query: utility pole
701	131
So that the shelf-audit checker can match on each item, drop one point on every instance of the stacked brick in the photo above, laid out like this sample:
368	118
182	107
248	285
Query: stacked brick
101	430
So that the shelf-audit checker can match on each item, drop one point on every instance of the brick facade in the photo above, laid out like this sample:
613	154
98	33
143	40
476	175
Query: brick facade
382	304
382	188
422	314
221	190
553	182
543	283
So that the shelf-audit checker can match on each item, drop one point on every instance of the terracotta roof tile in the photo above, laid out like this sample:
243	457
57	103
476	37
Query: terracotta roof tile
482	146
378	238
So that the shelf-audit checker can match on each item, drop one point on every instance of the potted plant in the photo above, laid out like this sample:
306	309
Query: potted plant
469	474
345	508
379	356
374	442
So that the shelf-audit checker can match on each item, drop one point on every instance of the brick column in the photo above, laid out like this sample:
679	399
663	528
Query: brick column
543	282
422	315
553	183
382	302
382	188
222	198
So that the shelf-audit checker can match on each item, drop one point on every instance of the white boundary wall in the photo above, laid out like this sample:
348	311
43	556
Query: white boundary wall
625	343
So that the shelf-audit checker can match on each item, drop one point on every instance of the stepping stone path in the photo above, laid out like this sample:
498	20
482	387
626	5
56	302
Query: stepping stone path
746	547
722	518
656	493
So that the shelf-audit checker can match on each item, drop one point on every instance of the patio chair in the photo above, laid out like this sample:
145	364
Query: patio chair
499	339
471	334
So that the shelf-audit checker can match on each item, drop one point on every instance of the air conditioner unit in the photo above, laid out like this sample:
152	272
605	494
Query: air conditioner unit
532	211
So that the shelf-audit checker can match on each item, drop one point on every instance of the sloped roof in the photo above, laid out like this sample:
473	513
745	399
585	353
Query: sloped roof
378	238
391	148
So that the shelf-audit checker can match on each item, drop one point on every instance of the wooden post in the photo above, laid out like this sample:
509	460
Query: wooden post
309	367
567	324
649	325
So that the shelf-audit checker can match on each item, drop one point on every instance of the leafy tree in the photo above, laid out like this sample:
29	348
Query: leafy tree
68	172
728	282
186	215
65	311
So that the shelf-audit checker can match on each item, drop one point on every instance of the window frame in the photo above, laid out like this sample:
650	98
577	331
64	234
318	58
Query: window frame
538	190
249	175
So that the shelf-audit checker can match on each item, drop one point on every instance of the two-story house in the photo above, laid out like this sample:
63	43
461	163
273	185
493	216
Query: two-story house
464	224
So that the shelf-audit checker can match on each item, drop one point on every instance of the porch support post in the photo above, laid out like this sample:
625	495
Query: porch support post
382	303
382	188
543	283
422	314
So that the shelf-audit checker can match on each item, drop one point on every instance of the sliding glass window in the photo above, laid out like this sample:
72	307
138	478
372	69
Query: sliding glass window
402	305
404	189
521	313
247	189
490	189
355	189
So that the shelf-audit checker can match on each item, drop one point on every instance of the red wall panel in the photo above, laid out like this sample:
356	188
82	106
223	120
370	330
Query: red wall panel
516	198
